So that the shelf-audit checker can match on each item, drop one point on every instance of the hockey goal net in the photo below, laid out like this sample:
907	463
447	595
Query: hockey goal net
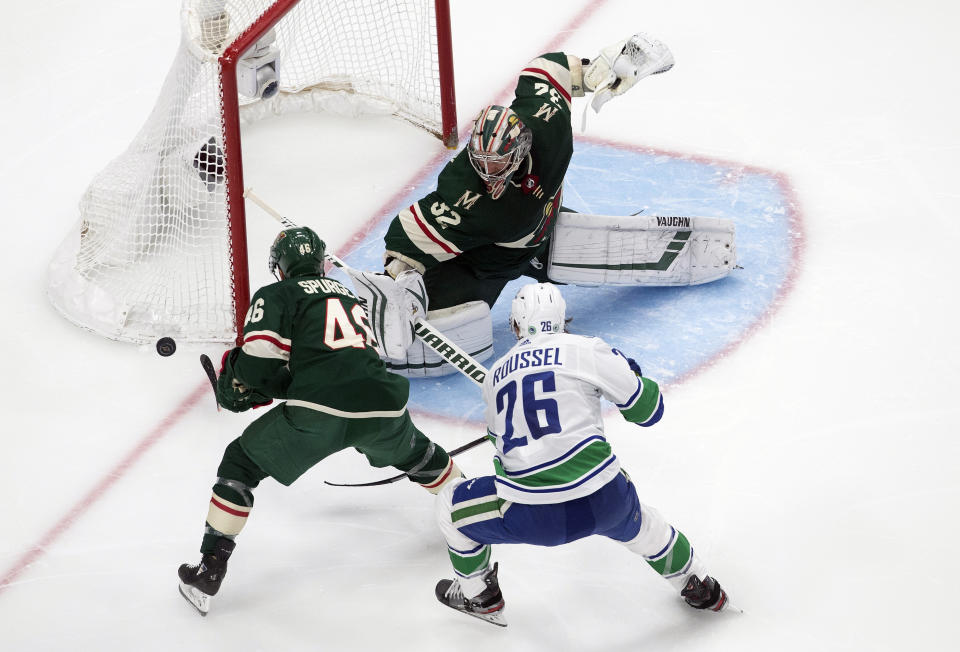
160	246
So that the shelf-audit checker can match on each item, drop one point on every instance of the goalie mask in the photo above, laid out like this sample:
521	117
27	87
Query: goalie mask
498	144
297	252
537	308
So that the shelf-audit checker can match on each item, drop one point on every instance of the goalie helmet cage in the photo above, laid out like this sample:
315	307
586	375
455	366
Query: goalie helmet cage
160	247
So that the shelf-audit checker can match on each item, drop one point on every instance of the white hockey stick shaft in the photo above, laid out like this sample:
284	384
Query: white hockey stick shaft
268	209
429	335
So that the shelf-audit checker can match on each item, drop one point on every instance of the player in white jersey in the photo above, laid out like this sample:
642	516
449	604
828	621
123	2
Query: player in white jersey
557	479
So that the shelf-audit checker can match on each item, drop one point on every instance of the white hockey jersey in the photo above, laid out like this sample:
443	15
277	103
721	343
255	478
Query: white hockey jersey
543	411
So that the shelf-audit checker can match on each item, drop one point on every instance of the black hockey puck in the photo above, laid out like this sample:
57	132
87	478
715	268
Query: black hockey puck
166	346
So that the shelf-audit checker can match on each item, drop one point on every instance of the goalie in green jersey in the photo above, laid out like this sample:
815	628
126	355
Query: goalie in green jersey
305	341
491	217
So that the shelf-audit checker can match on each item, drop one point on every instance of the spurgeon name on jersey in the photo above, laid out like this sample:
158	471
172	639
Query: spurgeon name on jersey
459	219
317	327
545	421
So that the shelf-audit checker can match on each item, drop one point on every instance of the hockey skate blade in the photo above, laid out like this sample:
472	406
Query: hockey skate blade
197	598
496	618
729	607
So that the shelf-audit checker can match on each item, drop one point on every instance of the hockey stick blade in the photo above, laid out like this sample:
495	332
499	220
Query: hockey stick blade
207	365
455	451
367	484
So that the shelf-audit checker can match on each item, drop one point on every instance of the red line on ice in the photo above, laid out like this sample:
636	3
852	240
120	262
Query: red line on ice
80	508
84	504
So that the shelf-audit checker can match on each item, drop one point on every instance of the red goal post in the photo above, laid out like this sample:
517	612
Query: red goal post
160	248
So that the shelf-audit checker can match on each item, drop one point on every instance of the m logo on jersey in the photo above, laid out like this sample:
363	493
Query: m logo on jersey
546	112
467	200
656	325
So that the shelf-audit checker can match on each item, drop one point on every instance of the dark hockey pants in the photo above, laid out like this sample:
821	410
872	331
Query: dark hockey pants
287	441
453	282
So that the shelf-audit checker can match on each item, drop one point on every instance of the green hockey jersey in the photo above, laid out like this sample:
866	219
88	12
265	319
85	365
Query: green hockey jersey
497	237
305	340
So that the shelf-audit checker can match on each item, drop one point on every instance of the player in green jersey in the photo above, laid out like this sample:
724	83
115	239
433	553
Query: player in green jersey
305	341
492	214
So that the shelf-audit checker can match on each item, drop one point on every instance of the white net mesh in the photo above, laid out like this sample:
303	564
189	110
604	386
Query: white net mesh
151	254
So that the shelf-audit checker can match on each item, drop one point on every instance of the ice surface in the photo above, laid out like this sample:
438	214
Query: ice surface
811	458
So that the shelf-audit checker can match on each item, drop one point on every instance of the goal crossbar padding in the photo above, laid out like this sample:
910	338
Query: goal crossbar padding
651	250
467	325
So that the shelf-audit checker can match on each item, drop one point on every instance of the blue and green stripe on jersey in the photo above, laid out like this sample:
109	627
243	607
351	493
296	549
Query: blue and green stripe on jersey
578	465
644	404
590	456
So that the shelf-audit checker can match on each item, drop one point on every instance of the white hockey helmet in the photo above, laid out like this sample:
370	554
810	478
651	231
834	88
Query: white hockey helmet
537	308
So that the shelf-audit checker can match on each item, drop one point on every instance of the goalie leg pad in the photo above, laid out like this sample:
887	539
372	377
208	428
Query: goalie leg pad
467	325
641	250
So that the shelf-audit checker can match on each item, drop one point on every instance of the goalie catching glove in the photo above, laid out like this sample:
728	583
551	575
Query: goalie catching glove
619	66
231	393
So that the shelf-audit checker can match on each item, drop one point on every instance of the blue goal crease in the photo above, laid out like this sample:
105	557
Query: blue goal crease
669	330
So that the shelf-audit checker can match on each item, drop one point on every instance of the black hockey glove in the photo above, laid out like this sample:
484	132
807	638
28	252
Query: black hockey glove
233	395
634	367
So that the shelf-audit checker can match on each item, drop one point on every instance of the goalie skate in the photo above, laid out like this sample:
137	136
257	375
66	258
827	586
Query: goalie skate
488	606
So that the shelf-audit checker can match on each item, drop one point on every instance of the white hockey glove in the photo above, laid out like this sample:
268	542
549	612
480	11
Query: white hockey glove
621	65
394	264
392	305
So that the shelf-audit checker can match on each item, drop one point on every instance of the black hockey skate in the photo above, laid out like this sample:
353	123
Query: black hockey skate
705	594
201	582
487	606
